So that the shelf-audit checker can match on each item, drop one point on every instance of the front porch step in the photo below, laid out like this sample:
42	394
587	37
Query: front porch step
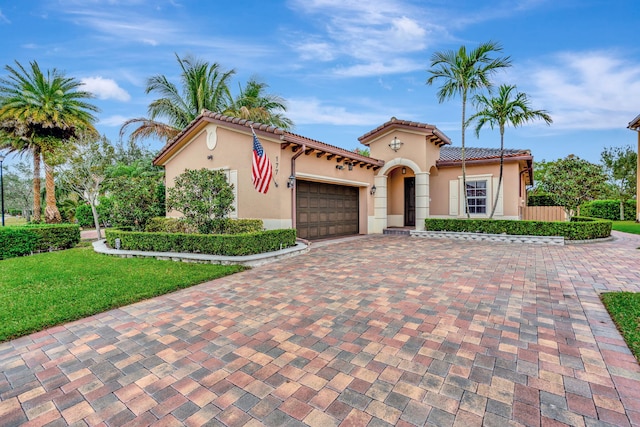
397	231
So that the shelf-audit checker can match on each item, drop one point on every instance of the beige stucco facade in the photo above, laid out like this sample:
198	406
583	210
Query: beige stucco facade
405	179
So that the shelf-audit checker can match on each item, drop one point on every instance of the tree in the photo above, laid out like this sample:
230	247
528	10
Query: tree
18	191
572	181
507	108
135	200
203	86
252	103
463	74
86	170
621	167
202	196
47	110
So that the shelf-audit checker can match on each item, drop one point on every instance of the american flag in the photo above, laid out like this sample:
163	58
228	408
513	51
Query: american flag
261	168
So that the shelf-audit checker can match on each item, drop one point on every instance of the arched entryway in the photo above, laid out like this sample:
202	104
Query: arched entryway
402	196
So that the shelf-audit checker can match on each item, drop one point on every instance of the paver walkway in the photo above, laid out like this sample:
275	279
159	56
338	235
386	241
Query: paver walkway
377	331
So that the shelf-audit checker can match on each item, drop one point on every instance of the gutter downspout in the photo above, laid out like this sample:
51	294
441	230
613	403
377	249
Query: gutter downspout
294	187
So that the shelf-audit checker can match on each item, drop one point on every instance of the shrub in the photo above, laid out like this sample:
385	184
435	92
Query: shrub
16	241
219	226
136	200
213	244
24	240
203	196
609	209
15	212
84	216
540	200
580	228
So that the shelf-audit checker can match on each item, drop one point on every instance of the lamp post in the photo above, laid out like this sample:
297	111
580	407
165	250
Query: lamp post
2	188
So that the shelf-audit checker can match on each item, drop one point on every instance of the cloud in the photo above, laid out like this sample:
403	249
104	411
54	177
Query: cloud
584	90
313	111
4	19
113	121
105	88
364	40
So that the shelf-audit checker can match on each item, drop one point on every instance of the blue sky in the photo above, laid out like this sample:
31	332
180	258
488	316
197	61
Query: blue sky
347	66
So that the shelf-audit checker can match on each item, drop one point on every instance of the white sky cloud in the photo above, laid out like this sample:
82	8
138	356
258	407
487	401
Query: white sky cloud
115	120
105	88
584	90
313	111
3	18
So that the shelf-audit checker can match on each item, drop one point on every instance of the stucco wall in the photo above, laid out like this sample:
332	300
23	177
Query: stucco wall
439	185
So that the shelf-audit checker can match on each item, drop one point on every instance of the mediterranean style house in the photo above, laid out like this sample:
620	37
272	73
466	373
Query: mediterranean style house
635	125
323	191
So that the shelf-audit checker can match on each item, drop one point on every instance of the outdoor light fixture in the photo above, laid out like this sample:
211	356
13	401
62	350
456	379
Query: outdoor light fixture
395	144
404	170
2	188
373	190
210	157
291	181
350	165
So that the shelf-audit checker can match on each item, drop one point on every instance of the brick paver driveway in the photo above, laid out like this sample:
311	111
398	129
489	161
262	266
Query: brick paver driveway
375	331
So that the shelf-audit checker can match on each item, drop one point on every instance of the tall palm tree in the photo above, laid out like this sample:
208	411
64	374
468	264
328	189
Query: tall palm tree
51	110
508	107
465	73
252	103
202	86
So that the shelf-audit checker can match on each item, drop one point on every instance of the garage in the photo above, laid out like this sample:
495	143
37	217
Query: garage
326	210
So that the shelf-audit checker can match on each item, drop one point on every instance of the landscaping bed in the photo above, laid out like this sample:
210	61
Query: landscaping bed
579	228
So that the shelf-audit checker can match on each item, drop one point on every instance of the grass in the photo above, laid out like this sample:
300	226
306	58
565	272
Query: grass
624	309
14	220
44	290
627	226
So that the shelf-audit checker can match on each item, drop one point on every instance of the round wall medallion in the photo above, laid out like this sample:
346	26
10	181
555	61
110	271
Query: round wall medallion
212	137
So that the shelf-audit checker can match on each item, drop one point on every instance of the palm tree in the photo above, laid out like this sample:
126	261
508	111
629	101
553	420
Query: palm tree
254	104
48	110
203	86
463	74
509	107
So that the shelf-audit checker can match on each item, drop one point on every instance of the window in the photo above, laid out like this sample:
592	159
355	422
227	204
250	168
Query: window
477	197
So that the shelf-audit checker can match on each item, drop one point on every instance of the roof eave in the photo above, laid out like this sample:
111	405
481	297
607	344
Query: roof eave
489	160
635	124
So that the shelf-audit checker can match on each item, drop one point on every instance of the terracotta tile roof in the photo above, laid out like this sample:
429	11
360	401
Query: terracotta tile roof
287	137
439	136
454	154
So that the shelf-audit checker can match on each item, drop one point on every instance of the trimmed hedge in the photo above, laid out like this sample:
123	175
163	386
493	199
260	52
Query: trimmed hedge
221	226
25	240
84	216
213	244
609	209
580	228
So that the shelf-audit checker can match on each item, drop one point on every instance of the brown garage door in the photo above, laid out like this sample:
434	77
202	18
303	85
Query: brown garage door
326	210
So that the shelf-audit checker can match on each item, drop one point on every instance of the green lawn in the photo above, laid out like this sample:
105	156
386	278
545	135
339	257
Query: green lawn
48	289
627	226
624	309
13	220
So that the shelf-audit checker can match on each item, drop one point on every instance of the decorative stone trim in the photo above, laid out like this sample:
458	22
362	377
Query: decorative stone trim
482	237
101	247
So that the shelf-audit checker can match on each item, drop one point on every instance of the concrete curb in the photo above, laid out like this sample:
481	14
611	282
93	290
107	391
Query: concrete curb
100	246
503	238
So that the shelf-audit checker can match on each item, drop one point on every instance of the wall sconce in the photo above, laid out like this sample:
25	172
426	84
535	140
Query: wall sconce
395	144
291	181
339	167
404	170
373	190
350	165
210	157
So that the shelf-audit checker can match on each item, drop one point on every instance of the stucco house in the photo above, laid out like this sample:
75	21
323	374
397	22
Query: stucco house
323	191
635	125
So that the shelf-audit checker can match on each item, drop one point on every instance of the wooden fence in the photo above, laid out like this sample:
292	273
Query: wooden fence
544	213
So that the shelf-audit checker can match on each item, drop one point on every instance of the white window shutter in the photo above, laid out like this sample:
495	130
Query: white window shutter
453	197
